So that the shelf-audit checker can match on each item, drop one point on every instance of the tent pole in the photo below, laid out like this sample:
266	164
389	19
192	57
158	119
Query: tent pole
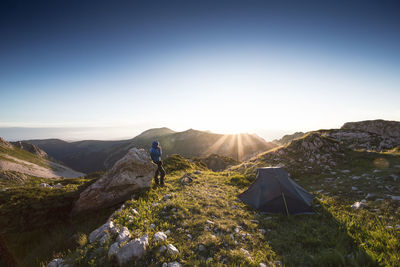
284	201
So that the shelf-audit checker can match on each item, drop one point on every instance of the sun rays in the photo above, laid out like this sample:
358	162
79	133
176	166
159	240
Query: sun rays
232	142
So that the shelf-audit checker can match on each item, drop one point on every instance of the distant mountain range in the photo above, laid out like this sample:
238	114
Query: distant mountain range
93	155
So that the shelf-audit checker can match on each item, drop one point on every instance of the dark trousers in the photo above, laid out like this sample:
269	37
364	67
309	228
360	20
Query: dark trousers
160	171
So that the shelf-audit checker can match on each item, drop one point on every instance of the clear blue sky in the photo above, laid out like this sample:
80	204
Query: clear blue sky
113	69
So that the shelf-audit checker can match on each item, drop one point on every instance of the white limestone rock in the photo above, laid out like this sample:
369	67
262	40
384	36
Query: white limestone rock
135	248
172	249
130	174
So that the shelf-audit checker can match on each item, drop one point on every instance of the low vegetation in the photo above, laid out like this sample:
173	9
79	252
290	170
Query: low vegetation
209	226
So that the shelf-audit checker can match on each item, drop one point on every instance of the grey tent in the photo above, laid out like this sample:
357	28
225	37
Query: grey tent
274	192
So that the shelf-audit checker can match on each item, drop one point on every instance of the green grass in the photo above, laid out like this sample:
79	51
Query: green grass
336	235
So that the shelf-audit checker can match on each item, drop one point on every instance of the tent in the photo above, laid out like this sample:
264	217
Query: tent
274	192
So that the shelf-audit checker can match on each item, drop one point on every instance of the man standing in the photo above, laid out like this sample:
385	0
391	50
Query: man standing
155	153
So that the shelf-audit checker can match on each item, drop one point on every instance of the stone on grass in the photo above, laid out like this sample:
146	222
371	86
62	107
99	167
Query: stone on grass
199	172
162	249
167	232
167	196
123	235
99	232
174	264
245	252
160	236
113	249
135	212
135	248
58	186
202	247
262	264
209	222
395	177
358	205
152	226
44	185
172	249
395	197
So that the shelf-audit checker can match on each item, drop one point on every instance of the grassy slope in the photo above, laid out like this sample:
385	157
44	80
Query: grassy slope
35	223
336	235
24	155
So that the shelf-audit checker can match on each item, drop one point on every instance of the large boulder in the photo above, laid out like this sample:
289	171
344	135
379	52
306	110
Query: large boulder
128	175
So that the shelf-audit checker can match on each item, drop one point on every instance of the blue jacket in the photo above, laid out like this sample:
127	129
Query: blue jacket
155	152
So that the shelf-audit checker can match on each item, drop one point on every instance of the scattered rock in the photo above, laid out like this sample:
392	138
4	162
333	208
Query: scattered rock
209	222
395	177
128	175
197	172
245	252
262	265
152	226
134	212
202	247
174	264
133	249
58	186
167	196
172	249
123	235
99	232
44	185
162	249
160	236
167	232
358	205
395	197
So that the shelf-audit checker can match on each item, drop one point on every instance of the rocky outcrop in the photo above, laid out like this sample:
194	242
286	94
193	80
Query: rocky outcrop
307	154
384	128
130	174
356	139
30	148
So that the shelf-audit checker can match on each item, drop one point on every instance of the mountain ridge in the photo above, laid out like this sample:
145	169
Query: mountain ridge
94	155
